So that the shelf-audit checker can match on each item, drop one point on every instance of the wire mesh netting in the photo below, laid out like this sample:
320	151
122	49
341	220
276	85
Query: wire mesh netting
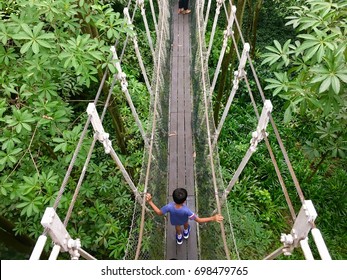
210	248
153	243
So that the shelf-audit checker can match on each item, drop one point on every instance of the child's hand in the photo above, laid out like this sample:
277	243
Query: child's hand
218	218
148	197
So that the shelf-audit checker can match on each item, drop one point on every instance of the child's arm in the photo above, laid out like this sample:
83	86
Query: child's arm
216	218
150	202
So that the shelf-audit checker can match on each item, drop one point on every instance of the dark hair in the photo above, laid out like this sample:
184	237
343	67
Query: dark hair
179	195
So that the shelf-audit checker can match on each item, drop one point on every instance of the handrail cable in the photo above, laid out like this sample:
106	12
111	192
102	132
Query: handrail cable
158	60
279	139
202	60
74	198
232	232
154	18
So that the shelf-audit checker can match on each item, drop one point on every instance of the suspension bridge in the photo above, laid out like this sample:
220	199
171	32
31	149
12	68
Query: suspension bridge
181	143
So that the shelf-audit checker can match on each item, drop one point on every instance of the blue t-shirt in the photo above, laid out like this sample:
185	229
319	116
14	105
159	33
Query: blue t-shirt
178	216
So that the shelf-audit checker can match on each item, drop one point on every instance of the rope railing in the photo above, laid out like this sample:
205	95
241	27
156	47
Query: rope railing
278	137
237	75
206	104
160	45
290	241
278	173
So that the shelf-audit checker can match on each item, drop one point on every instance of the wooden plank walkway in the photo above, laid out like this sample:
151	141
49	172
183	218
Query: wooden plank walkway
181	160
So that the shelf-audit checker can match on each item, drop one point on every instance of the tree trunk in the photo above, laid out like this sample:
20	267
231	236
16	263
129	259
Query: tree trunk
20	243
117	122
228	58
255	25
316	167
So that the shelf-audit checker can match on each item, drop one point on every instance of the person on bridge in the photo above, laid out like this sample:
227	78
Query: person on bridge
183	7
180	213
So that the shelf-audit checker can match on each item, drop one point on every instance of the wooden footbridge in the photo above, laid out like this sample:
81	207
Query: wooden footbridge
181	152
180	141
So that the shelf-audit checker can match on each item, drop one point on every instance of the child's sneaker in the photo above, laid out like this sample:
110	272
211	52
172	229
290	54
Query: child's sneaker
179	239
186	232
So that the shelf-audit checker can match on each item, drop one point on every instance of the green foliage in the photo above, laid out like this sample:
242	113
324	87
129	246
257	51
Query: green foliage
315	61
52	52
259	241
310	75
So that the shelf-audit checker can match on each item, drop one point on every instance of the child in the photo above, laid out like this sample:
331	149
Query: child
183	7
180	213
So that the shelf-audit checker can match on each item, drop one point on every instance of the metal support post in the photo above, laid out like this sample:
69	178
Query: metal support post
100	133
302	226
257	136
121	76
219	5
54	253
137	51
322	248
40	244
306	249
143	13
227	34
56	228
59	235
238	75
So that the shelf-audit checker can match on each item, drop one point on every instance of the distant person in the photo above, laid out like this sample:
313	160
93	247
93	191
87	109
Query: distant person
183	7
180	213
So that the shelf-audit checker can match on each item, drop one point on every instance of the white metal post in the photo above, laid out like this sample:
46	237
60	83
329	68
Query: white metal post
257	136
40	244
103	137
137	51
219	5
237	77
100	133
124	84
227	34
143	13
306	249
206	16
55	252
322	248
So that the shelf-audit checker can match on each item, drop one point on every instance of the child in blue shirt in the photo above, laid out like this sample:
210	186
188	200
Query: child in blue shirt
180	213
